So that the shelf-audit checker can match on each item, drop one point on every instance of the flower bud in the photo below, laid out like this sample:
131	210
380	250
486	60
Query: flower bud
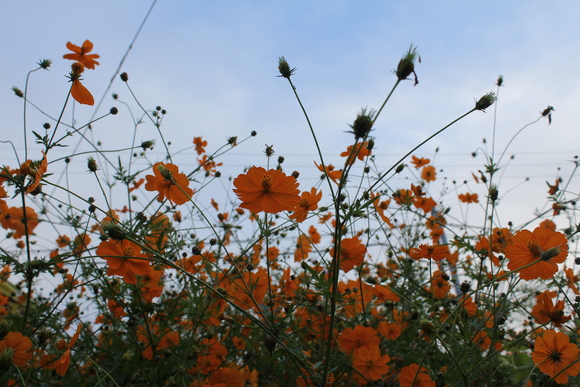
363	124
6	359
45	64
114	111
124	77
18	92
92	165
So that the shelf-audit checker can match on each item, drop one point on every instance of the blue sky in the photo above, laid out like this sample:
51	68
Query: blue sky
212	65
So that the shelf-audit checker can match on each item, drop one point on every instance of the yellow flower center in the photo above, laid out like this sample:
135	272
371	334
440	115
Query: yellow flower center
266	183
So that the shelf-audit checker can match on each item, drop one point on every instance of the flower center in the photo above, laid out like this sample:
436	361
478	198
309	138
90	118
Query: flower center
370	363
534	249
303	203
267	183
555	357
128	252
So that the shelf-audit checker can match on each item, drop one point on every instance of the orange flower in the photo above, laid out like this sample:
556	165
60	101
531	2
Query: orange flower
434	252
428	173
249	291
545	311
360	151
199	145
424	203
227	377
370	363
61	365
352	253
125	259
329	170
20	345
543	249
556	356
303	248
16	221
309	202
81	54
161	340
553	188
469	197
41	169
169	183
351	340
390	331
572	278
439	285
419	162
269	191
413	376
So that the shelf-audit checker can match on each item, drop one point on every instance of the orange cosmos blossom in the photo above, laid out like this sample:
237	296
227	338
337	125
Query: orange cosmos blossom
125	259
41	169
81	54
308	202
199	145
468	198
428	173
434	252
419	162
20	345
61	365
351	340
540	250
352	253
556	356
269	191
329	170
170	184
545	311
370	364
415	376
353	152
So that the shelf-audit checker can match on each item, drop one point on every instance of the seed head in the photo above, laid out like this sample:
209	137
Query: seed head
363	124
485	101
406	65
284	68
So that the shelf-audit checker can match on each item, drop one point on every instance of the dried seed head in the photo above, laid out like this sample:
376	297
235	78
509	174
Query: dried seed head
363	124
485	101
284	68
406	65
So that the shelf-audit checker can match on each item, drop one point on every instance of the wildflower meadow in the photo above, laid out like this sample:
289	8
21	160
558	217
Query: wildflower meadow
172	275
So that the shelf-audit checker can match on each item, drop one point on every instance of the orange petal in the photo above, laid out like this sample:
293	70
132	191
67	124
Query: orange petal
81	94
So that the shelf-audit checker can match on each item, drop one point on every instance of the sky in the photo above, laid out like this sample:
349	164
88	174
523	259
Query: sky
213	67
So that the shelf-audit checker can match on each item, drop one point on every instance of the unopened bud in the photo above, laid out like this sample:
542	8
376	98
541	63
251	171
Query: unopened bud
92	165
124	77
